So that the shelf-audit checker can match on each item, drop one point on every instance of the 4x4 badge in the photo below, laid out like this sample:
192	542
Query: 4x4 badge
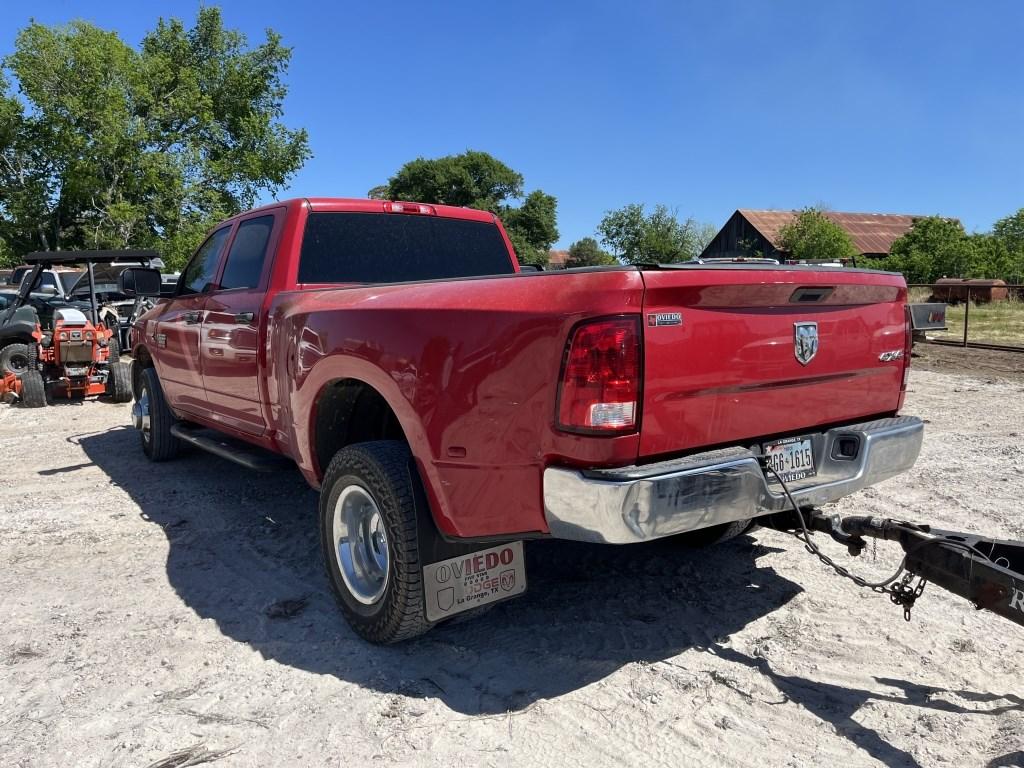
805	342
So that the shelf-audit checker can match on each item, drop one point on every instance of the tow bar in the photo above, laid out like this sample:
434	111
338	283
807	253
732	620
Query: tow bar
988	572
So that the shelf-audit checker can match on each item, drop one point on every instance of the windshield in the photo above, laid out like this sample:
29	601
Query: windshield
68	279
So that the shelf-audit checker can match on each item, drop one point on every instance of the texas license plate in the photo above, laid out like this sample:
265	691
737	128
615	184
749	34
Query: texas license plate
468	581
792	458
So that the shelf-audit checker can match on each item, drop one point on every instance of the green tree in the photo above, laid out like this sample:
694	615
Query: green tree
106	146
479	180
587	253
990	258
812	235
934	247
1010	230
1009	233
638	238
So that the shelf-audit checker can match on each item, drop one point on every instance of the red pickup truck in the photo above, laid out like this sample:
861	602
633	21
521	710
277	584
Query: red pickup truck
449	405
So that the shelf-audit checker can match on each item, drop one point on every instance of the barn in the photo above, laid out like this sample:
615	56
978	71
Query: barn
752	233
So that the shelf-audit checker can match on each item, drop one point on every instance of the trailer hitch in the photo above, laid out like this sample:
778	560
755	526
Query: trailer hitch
988	572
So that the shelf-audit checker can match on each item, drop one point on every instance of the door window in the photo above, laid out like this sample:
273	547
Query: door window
244	265
198	275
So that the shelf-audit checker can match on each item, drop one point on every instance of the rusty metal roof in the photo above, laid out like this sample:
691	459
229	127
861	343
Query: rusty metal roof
870	232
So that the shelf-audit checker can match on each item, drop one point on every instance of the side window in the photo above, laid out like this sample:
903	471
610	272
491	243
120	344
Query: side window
248	252
201	270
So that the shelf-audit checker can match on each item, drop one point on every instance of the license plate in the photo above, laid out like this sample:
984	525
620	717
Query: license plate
792	459
469	581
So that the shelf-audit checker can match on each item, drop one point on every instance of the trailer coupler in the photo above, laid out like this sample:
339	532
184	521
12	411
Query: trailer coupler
988	572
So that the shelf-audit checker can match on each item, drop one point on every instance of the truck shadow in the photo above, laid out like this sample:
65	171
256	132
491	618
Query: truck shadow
244	553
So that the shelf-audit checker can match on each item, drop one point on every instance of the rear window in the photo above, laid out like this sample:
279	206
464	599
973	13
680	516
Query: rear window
394	248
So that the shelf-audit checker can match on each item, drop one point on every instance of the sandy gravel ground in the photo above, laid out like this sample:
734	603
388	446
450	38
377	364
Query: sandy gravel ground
149	610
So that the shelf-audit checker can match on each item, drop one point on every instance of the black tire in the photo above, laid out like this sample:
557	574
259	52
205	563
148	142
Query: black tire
714	534
385	470
33	390
137	371
119	383
158	443
115	349
15	358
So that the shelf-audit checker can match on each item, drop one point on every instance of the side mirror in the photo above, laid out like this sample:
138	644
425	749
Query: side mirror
139	281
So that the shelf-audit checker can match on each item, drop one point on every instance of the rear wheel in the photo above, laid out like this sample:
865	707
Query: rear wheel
154	419
33	389
714	534
119	383
14	358
368	534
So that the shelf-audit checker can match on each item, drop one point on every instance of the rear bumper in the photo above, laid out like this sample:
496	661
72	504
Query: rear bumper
640	503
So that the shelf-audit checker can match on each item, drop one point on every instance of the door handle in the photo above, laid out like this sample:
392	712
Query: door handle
244	318
191	318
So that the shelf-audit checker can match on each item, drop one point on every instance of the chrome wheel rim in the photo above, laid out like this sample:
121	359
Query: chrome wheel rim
361	544
140	415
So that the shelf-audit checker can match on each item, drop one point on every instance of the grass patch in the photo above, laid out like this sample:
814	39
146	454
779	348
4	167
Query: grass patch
1000	322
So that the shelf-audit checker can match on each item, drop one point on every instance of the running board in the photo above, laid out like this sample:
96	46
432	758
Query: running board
249	456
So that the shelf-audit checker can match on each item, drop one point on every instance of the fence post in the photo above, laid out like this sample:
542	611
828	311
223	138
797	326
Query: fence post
967	313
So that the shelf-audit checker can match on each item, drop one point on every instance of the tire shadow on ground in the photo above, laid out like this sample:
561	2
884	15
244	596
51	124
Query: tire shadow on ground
244	553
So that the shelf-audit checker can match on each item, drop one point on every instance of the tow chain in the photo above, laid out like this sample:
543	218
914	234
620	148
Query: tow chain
905	595
902	593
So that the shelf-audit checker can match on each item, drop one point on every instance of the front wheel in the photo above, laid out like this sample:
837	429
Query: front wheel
115	348
154	419
33	389
368	534
119	383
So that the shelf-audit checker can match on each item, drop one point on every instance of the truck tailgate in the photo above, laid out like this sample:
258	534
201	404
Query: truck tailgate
723	364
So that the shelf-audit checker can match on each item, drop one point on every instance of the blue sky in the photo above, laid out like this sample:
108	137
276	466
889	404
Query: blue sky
903	107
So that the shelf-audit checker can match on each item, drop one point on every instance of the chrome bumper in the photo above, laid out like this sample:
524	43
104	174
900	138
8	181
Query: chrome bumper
640	503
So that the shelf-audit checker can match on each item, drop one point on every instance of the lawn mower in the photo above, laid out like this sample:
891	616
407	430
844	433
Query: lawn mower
79	355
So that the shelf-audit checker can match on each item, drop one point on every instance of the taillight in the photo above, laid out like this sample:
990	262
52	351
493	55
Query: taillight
599	391
908	347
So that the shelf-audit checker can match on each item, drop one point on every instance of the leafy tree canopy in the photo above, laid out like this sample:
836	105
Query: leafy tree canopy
479	180
1009	232
937	247
812	235
106	146
587	253
638	238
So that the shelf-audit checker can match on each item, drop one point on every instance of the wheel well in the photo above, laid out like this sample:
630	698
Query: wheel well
142	360
350	411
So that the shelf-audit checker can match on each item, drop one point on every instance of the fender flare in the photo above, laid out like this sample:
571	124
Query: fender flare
305	396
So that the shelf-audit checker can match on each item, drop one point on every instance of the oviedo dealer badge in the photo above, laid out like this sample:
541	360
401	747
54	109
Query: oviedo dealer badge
478	578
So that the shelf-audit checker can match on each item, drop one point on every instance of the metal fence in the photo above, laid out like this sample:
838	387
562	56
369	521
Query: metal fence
978	297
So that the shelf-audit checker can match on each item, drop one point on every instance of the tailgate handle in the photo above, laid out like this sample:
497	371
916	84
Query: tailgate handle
811	294
243	317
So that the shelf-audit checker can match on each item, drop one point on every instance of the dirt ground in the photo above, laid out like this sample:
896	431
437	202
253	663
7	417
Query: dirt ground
154	612
986	363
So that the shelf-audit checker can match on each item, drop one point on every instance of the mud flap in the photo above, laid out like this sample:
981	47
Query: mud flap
474	579
460	576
